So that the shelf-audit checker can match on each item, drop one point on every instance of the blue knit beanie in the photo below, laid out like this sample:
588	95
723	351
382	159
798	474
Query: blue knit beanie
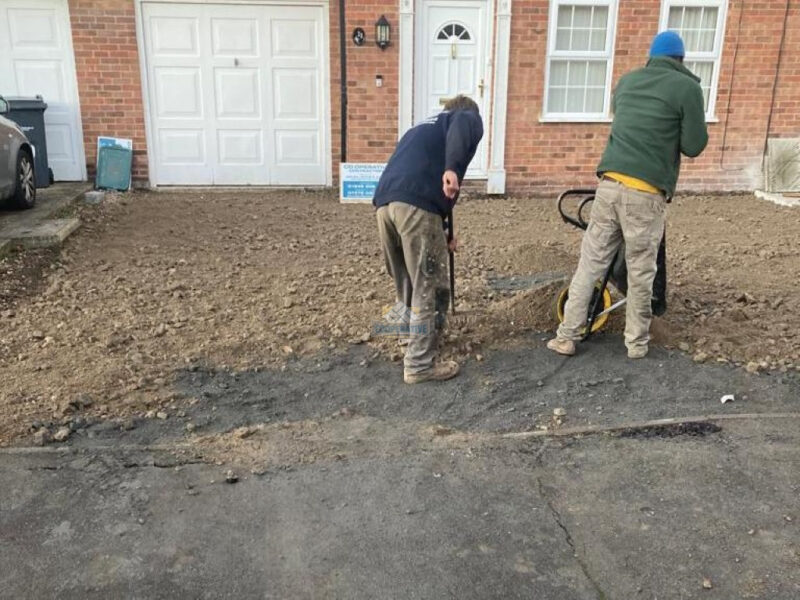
667	43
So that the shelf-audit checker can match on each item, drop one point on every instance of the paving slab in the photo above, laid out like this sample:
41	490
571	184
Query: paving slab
39	226
46	233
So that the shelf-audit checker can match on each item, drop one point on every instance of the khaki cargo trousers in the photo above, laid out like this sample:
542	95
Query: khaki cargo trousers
415	249
618	213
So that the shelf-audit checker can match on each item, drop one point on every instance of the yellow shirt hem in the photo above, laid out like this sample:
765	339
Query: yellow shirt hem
632	182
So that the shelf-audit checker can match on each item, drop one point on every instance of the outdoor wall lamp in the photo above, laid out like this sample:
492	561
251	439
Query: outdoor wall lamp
382	31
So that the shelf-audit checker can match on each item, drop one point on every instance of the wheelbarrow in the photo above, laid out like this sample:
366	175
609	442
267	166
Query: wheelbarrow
601	304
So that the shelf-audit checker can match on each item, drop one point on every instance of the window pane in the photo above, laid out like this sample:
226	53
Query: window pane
598	42
690	39
675	18
594	100
710	18
575	100
600	18
697	26
582	16
705	42
562	39
704	70
581	28
577	73
597	73
692	17
577	86
558	72
556	100
580	39
565	16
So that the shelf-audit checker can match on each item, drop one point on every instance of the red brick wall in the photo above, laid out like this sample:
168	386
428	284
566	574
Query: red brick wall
786	112
109	80
371	111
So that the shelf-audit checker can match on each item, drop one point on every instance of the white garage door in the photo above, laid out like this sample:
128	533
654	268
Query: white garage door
236	93
36	59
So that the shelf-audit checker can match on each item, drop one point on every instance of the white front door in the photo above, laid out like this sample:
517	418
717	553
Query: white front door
453	42
36	59
236	93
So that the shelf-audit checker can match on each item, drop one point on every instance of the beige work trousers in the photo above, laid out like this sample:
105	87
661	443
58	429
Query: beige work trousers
618	213
415	250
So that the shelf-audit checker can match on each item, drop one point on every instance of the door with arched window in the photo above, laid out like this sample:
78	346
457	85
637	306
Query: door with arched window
452	57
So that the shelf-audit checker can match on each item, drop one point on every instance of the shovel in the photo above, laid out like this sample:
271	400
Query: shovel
452	260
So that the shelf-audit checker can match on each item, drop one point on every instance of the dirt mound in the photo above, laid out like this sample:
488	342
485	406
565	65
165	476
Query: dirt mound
156	282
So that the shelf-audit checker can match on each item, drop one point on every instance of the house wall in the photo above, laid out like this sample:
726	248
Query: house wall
109	78
549	156
544	157
540	157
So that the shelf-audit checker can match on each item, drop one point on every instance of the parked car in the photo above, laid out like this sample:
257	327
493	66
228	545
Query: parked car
17	180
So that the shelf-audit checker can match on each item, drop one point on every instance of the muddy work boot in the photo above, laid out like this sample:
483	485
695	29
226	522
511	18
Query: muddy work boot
637	352
562	346
439	372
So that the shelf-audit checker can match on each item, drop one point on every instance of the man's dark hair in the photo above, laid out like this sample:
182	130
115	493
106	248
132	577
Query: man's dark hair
461	102
678	58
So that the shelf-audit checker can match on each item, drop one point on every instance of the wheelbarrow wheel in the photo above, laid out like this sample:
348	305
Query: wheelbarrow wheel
599	323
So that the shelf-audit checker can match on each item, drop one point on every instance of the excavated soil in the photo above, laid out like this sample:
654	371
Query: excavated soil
155	283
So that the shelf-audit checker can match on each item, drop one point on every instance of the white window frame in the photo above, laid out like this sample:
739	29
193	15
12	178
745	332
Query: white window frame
715	54
553	54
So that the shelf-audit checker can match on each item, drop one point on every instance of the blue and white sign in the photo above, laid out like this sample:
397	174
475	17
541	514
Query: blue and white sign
357	181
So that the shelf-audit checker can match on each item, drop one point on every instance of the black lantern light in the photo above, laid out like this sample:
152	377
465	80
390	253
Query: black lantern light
382	33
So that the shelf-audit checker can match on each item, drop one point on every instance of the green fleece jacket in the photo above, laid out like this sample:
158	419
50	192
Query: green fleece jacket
659	114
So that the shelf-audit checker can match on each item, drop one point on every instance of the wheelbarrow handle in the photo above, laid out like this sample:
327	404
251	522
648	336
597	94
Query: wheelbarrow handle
576	221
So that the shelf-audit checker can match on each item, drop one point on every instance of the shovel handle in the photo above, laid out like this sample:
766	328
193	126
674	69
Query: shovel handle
452	262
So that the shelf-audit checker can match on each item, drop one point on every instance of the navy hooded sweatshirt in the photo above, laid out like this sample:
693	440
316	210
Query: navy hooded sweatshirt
413	174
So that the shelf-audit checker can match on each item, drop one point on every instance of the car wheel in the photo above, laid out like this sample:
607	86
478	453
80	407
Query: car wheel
25	192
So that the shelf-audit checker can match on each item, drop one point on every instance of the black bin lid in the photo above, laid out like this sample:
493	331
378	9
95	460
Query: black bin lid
25	102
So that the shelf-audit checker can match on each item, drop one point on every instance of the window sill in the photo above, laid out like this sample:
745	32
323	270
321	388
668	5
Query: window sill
575	119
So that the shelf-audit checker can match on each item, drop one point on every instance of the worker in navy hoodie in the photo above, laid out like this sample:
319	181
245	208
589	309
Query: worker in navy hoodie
416	191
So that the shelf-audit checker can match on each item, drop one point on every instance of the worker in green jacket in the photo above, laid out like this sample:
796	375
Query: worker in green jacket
659	114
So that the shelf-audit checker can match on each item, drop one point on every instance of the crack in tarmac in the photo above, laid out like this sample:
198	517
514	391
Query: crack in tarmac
570	542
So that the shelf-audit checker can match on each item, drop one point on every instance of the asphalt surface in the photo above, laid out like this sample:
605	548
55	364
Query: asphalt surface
693	512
